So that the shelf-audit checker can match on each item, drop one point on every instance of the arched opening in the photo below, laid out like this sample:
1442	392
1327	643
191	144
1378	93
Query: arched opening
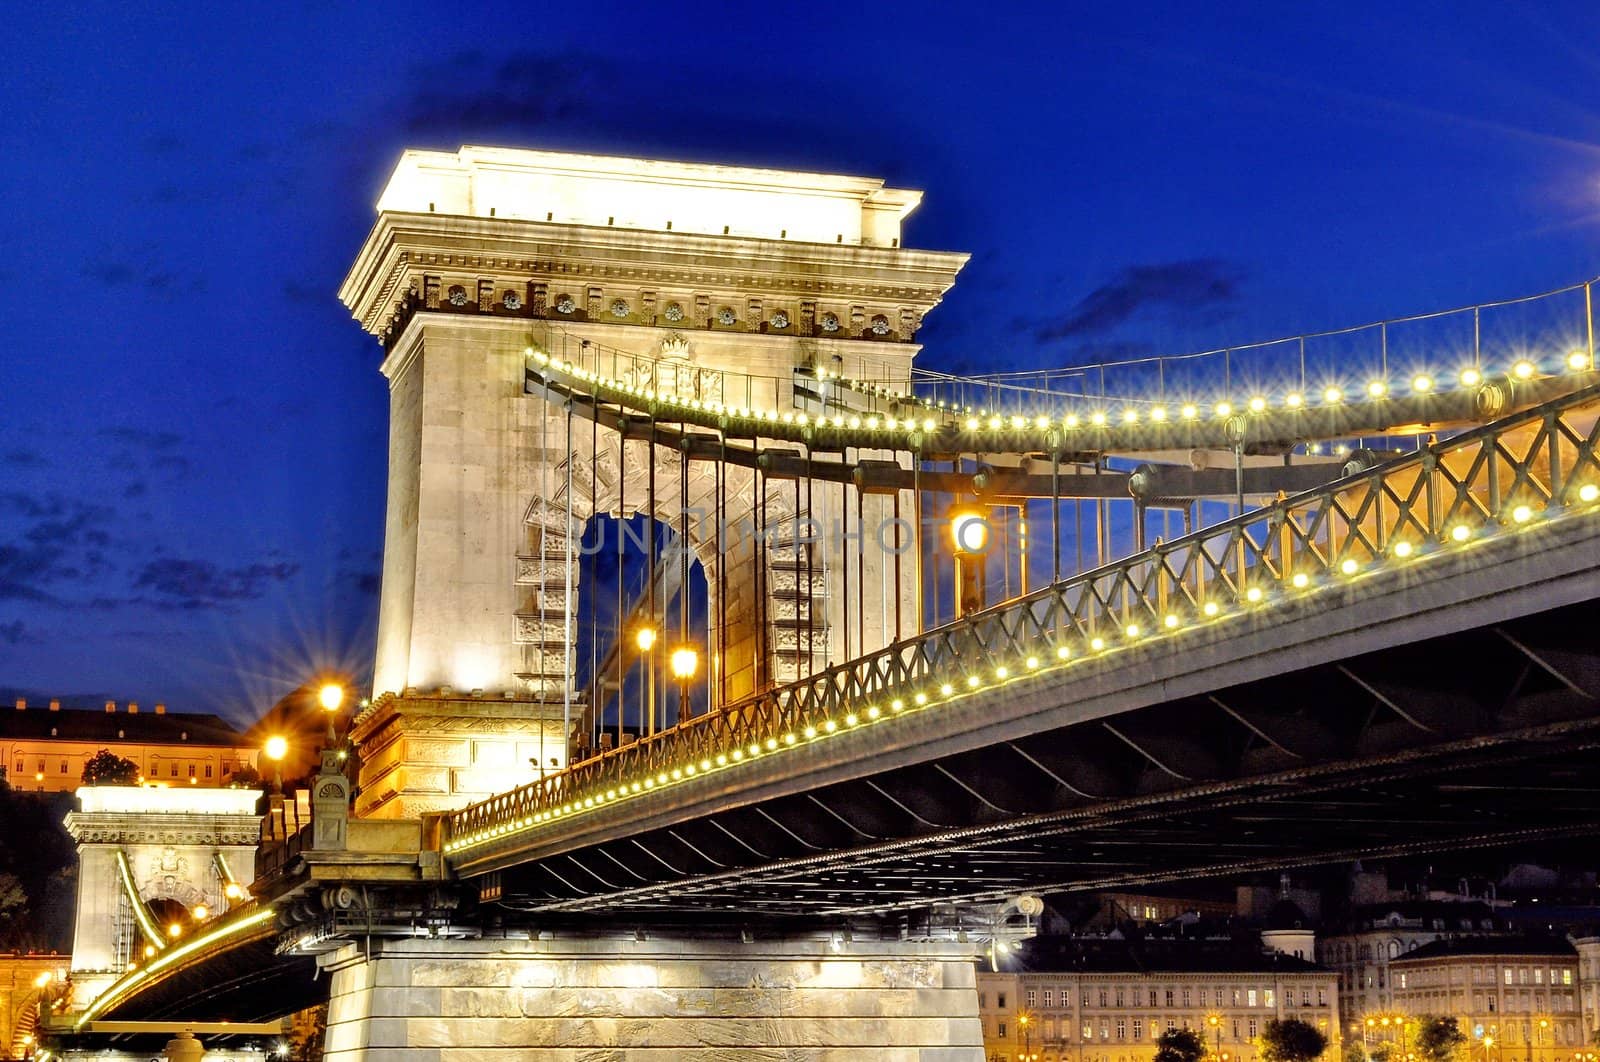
645	654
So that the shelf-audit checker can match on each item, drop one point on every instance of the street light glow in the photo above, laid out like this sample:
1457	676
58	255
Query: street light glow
969	530
685	662
331	696
277	747
645	638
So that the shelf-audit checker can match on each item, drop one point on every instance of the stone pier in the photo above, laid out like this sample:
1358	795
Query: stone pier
609	1000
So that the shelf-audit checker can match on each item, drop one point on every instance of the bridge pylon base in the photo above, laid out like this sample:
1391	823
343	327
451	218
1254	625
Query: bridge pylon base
567	998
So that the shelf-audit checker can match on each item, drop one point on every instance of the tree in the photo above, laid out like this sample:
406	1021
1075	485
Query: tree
1179	1045
107	768
1354	1052
1291	1040
1438	1039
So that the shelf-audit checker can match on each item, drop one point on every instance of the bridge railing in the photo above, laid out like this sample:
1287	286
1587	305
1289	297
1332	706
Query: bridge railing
1485	337
1498	477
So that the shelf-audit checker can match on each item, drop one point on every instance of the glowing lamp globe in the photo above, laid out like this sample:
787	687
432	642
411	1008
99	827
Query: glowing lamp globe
330	697
685	662
276	748
969	531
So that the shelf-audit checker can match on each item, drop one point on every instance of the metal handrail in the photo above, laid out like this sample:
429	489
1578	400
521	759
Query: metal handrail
1499	475
1010	384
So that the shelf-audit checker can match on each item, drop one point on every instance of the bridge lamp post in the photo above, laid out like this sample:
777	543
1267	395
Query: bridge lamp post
1215	1021
969	534
645	640
331	697
276	748
1025	1023
685	661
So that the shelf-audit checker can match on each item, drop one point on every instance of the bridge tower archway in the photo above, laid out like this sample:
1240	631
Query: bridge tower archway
492	473
150	858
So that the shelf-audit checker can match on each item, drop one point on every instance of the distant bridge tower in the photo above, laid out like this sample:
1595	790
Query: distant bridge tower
716	283
148	858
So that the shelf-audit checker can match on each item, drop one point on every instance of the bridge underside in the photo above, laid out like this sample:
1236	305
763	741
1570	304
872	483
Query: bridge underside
1480	737
245	983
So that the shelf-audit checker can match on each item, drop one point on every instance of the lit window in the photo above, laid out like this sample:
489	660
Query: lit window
1138	1028
1122	1029
208	770
1033	999
1049	998
1002	1028
63	766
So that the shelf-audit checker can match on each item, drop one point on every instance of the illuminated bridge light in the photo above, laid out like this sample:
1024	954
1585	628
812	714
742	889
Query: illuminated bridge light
1097	418
1349	566
1588	492
1402	549
1294	400
873	712
1258	405
1001	672
1377	388
897	705
1577	361
1032	662
1524	370
973	682
1300	580
1097	644
1332	396
1210	608
852	719
1224	409
946	690
1188	412
1253	594
1132	630
1422	383
1158	414
1521	514
1171	621
810	732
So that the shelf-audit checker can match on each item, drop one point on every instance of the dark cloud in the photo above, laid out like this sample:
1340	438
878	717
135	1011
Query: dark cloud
118	273
150	440
163	144
59	541
1190	286
198	584
13	633
475	92
137	489
23	459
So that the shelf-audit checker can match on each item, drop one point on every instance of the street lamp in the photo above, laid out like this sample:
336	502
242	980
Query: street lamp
644	638
969	535
1025	1023
1215	1021
276	748
331	696
685	661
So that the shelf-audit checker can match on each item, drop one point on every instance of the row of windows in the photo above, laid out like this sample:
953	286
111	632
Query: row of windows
155	771
1121	1028
1484	975
1124	996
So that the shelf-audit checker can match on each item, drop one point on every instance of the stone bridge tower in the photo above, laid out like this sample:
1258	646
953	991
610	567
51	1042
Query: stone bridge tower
142	851
715	282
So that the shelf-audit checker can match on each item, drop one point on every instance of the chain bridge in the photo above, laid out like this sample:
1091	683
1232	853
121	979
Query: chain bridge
726	655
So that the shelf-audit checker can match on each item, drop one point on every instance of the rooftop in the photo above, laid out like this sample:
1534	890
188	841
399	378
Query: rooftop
1553	946
42	723
1110	955
652	194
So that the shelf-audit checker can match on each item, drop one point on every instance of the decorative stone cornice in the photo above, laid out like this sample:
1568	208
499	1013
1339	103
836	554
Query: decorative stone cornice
564	272
201	830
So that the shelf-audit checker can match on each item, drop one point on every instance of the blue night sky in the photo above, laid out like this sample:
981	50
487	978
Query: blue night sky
192	454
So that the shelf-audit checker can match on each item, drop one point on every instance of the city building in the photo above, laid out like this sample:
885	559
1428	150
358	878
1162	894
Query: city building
29	983
44	748
1108	1000
1518	997
1362	948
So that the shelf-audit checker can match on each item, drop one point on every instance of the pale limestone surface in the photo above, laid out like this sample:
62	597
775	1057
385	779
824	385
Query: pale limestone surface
172	838
464	1001
690	279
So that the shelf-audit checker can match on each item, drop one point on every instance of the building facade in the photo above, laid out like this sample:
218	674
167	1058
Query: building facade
1375	936
1109	1001
44	748
1516	997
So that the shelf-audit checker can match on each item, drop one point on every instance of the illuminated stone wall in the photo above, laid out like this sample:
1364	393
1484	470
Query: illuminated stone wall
462	1001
